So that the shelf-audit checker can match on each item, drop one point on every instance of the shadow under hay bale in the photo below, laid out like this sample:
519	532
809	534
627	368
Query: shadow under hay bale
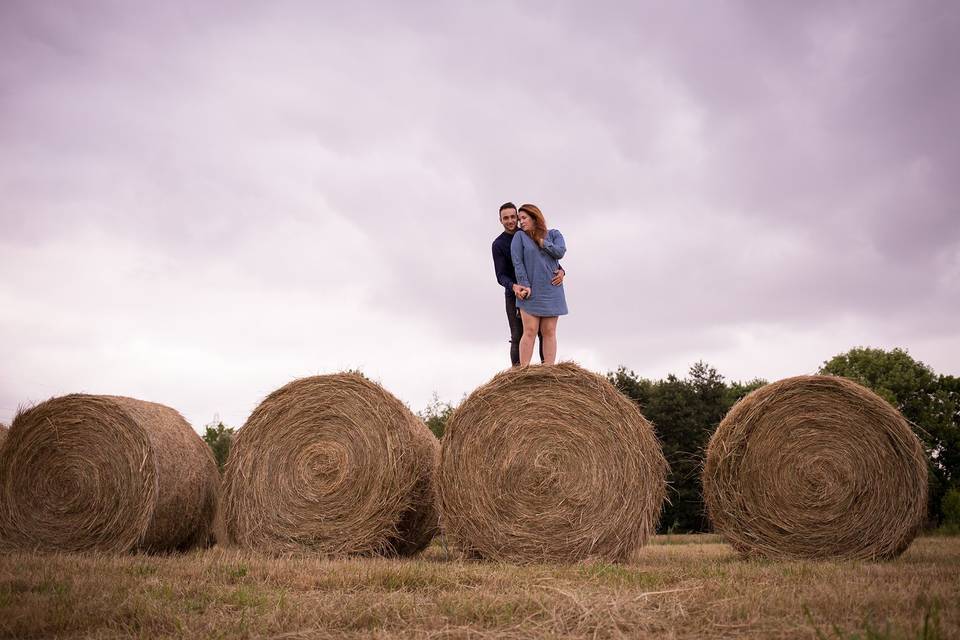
816	467
332	464
549	463
105	473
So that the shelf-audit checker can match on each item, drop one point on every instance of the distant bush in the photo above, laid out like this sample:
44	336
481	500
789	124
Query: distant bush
435	415
219	437
950	507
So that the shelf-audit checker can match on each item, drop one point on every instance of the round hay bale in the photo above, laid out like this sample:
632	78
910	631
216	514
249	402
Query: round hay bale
105	473
815	467
549	463
333	464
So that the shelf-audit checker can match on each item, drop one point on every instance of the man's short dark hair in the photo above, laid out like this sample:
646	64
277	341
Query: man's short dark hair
507	205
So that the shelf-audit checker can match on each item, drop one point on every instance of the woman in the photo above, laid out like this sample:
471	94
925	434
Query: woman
536	252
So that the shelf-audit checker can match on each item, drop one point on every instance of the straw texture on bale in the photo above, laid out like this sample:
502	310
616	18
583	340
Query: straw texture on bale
105	473
332	464
816	467
549	463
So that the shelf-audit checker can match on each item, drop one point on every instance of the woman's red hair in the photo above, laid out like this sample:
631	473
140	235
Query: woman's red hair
539	231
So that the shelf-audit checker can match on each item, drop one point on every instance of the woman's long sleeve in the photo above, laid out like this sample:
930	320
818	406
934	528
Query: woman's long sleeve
516	253
554	244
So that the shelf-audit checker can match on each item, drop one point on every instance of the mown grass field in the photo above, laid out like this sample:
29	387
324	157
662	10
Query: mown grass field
678	587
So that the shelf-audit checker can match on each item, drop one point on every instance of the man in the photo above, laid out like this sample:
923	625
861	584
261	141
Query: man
507	277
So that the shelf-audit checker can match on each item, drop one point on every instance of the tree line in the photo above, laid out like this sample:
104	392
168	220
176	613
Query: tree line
686	411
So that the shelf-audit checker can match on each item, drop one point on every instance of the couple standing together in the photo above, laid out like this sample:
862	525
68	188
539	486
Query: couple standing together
526	260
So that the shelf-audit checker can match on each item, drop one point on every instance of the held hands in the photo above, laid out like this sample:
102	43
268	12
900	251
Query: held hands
521	291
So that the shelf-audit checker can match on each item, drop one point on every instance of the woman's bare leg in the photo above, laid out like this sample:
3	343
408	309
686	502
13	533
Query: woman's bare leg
548	329
531	325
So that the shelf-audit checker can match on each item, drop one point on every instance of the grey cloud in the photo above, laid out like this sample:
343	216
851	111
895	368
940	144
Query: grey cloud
719	170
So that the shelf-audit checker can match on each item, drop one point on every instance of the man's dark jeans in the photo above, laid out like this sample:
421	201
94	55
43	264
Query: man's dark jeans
516	331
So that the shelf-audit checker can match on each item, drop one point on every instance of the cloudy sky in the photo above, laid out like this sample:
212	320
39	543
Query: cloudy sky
200	201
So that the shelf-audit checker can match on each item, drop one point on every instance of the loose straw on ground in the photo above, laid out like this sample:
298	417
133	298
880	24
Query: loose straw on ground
105	473
816	467
550	463
332	464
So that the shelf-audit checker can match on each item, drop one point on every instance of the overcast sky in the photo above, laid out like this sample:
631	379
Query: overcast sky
200	201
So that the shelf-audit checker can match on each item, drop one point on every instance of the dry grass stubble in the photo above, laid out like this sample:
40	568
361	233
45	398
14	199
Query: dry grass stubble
677	590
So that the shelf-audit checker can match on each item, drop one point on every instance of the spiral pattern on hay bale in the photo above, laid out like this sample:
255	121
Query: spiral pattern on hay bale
550	463
333	464
816	467
105	473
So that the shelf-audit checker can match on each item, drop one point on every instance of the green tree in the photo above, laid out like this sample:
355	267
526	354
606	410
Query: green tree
677	413
636	388
219	437
950	505
929	401
685	413
435	415
737	391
